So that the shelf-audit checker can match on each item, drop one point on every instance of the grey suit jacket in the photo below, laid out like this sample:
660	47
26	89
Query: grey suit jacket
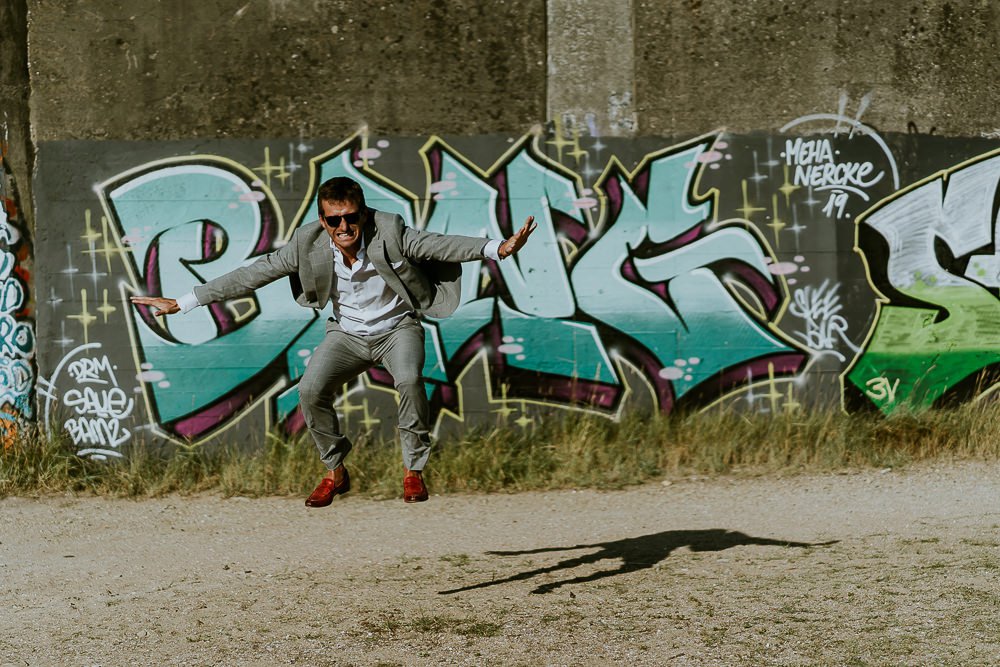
421	267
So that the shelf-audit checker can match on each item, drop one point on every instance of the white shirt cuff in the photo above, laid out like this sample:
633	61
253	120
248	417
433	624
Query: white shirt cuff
187	302
492	250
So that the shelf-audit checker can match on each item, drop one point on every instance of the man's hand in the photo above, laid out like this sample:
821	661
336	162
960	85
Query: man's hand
517	241
163	305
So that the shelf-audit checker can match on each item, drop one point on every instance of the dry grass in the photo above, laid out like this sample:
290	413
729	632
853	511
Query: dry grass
574	452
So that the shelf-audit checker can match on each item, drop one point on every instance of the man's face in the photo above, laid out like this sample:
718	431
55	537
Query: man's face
343	222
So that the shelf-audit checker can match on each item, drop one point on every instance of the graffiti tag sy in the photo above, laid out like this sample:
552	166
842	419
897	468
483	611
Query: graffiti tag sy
881	390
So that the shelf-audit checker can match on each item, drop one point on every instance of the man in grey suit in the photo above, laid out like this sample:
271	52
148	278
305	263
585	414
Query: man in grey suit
379	275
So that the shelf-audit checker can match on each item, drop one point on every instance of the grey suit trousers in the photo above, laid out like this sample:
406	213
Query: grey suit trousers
340	358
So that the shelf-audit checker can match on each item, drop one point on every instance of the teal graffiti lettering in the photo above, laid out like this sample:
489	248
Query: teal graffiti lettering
652	282
672	301
537	330
187	223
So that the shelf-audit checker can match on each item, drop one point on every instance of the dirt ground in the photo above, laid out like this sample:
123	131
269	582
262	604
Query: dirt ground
868	568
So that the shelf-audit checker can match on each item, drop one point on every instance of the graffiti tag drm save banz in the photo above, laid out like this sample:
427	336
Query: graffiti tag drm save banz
652	284
98	406
933	257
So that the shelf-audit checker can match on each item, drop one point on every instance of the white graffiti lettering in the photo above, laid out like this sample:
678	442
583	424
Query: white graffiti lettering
820	308
837	203
808	152
817	165
880	389
97	431
98	405
89	370
825	175
111	403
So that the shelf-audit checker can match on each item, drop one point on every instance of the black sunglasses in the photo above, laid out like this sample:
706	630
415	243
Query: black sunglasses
349	218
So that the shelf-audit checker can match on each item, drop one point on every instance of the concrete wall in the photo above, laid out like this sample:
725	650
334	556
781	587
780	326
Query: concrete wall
771	206
181	69
750	65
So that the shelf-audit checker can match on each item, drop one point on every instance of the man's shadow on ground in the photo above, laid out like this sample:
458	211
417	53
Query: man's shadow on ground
635	553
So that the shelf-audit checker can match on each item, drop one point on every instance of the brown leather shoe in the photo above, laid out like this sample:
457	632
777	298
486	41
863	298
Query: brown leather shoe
323	494
414	490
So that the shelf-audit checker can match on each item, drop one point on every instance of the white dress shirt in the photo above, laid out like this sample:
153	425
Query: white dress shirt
363	303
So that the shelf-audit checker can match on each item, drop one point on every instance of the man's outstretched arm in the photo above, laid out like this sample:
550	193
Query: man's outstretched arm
424	245
238	282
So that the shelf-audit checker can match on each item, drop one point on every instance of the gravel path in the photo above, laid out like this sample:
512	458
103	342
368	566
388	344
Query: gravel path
871	568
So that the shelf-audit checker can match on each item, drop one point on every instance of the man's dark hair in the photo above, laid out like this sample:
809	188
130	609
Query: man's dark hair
341	189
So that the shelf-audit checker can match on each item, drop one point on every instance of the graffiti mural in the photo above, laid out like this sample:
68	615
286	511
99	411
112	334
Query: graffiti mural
765	272
546	322
932	254
17	335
